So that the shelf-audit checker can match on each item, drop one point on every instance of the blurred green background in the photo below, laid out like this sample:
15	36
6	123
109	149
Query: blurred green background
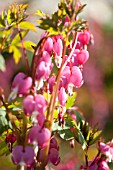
95	97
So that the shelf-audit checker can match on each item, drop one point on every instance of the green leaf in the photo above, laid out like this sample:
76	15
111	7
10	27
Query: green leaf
10	16
66	9
27	25
79	117
16	53
4	149
78	25
46	24
82	140
70	37
84	128
71	100
79	10
55	114
2	24
23	6
2	63
66	134
16	39
28	45
4	121
56	127
95	137
40	13
2	145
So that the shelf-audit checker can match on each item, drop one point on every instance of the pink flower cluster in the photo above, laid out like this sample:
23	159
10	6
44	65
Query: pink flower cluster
35	105
100	162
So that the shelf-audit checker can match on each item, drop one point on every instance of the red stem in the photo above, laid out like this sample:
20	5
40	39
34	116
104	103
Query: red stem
23	47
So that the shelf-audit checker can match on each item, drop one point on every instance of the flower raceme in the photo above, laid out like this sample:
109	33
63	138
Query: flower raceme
100	162
106	150
57	63
36	105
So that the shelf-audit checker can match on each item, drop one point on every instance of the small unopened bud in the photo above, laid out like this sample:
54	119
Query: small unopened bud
72	143
70	89
58	61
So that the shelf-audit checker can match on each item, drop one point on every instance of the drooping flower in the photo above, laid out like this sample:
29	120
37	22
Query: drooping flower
80	57
62	96
43	69
57	48
84	37
35	106
34	103
23	156
39	135
20	86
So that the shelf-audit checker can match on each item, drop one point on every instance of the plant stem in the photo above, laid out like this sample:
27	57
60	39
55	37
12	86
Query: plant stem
36	54
23	47
86	158
50	112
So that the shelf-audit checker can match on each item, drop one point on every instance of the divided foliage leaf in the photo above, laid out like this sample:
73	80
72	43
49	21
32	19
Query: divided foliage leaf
4	121
55	24
71	100
12	21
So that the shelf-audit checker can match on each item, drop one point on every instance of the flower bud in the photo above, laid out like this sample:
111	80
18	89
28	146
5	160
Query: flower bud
48	45
54	156
76	77
62	96
72	143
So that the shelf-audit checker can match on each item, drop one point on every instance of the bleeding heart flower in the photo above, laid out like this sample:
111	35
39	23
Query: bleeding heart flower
20	86
84	37
76	77
39	135
80	57
34	103
23	155
53	143
22	82
51	82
